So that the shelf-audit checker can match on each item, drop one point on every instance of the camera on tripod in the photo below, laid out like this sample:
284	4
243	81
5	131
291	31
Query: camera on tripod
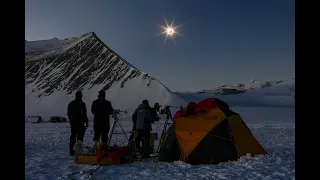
167	112
116	114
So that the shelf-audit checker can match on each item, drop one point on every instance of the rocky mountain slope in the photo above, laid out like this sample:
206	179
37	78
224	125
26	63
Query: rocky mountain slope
55	69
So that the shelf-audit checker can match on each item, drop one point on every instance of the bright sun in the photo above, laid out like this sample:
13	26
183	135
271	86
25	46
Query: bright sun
169	30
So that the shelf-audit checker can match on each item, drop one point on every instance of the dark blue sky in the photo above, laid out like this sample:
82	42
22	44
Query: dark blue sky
223	42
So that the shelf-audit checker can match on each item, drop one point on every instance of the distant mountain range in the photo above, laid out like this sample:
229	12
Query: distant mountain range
253	94
235	89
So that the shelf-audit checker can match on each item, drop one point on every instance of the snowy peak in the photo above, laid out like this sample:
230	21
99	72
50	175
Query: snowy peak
55	69
73	63
254	81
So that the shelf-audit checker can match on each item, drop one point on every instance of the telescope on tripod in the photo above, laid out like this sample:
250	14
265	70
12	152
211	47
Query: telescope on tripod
115	117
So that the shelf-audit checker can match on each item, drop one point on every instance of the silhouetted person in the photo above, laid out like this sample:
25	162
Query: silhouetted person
157	107
39	119
77	114
168	112
101	109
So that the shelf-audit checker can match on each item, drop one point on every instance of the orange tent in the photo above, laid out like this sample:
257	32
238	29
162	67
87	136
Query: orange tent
207	132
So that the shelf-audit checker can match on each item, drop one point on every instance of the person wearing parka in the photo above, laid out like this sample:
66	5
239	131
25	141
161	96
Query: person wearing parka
143	126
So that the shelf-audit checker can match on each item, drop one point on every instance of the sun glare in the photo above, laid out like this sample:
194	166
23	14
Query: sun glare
169	30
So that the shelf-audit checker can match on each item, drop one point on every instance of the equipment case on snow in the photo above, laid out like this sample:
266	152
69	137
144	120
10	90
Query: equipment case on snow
91	159
103	158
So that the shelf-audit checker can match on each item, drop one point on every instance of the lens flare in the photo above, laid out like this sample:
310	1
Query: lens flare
169	30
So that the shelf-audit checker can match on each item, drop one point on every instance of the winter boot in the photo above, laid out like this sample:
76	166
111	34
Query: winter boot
99	146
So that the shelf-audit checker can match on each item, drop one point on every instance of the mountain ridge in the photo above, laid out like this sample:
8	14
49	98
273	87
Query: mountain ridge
85	63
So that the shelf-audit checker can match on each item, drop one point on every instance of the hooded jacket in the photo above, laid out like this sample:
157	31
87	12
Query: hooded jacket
143	117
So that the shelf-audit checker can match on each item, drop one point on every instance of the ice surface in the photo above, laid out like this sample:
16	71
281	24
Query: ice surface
47	155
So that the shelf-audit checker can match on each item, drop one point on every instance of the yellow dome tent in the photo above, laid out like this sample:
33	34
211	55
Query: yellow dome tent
207	133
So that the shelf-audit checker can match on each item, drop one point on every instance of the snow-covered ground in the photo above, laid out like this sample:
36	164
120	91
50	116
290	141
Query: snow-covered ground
127	98
47	157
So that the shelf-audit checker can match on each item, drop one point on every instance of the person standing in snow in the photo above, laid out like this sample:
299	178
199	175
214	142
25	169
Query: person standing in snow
153	113
168	112
39	119
77	114
101	109
157	107
143	126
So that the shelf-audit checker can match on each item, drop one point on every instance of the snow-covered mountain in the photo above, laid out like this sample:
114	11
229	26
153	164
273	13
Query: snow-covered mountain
279	94
55	69
236	89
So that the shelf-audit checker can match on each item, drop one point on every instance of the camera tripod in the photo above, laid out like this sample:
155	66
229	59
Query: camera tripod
115	117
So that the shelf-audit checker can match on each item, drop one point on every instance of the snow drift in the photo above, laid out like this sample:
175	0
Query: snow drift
55	69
